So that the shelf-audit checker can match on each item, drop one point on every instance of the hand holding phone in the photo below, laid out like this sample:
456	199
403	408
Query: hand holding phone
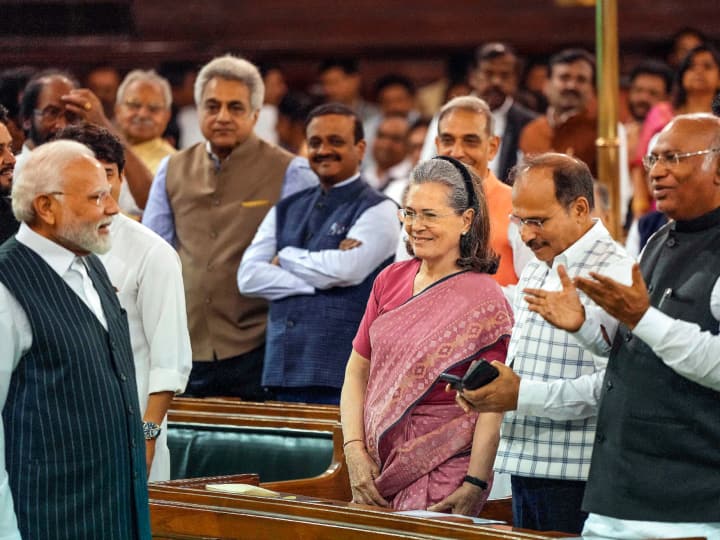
480	373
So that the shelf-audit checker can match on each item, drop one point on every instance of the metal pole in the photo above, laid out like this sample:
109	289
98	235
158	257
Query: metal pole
608	147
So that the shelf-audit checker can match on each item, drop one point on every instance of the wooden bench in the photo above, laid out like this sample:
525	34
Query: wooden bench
267	408
332	482
301	455
184	509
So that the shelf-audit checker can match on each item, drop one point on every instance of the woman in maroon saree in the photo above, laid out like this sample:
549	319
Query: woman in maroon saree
407	443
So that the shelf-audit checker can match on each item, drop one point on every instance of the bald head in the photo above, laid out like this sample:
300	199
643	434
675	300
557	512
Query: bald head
704	125
43	109
685	175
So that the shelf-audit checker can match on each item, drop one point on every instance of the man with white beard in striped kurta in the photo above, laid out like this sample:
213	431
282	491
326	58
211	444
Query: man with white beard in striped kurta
72	453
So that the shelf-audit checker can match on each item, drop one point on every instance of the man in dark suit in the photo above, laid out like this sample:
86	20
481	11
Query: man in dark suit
73	465
494	78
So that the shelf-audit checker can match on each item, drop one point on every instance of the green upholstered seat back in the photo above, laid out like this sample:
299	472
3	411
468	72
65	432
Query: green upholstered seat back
198	450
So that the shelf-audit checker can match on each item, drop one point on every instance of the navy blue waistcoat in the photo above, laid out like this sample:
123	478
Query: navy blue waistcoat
309	337
74	448
656	455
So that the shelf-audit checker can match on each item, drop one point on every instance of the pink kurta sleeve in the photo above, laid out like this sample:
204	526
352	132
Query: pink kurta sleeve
392	287
658	117
361	343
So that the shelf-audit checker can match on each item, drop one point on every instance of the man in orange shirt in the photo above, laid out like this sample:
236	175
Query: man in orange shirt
465	132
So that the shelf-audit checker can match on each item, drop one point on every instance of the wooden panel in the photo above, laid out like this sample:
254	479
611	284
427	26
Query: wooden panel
374	30
189	510
268	408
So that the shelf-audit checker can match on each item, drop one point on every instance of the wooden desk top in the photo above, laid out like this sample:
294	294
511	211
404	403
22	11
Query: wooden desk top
182	507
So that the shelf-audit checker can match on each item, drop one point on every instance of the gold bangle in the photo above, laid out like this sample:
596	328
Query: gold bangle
351	440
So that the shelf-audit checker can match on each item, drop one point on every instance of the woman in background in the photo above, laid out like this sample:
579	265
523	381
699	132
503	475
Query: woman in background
697	82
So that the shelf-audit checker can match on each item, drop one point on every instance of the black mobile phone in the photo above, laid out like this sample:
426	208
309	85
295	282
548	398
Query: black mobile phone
454	381
479	374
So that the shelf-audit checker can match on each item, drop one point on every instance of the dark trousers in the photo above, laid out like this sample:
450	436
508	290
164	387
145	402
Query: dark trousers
238	376
323	395
547	505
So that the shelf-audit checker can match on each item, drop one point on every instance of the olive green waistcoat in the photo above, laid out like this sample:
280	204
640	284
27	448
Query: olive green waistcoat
217	213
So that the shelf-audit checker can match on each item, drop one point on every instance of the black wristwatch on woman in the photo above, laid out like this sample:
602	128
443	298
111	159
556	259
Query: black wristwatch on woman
482	484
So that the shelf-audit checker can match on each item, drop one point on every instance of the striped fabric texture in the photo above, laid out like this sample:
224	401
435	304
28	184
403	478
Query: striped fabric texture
75	453
538	447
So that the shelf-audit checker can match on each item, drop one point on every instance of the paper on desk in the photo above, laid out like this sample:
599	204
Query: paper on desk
242	489
428	514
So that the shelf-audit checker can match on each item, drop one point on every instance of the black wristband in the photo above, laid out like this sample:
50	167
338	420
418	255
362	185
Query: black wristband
482	484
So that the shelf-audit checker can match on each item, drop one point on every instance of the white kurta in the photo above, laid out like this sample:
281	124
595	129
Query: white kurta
146	272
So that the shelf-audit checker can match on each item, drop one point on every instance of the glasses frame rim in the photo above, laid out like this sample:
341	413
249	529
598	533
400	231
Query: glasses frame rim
153	108
403	217
677	157
99	198
40	113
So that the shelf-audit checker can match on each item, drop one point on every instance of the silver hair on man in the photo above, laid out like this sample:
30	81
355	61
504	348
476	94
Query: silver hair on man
149	76
42	173
469	103
234	69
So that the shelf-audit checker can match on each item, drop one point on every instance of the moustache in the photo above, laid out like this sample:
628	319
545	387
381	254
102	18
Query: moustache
535	244
325	157
7	168
142	121
573	93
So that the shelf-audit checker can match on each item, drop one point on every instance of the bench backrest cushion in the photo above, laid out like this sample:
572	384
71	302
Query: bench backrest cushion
273	453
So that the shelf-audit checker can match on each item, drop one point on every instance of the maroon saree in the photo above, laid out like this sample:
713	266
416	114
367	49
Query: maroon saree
415	431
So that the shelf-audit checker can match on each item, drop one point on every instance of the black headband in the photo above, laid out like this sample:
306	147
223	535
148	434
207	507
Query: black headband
469	185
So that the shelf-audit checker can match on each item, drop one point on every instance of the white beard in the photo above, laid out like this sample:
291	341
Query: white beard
86	237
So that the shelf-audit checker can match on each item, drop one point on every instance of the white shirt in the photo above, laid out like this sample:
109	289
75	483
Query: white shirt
395	179
265	127
691	353
599	527
570	399
302	271
189	123
557	375
681	345
147	274
15	341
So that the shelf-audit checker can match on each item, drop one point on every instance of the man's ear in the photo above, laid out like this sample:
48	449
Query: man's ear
360	148
493	147
44	211
582	206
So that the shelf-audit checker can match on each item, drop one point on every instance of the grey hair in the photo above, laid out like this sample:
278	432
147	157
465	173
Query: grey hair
443	172
475	251
234	69
151	76
43	173
469	103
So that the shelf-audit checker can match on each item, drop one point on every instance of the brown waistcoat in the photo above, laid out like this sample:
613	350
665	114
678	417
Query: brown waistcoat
216	216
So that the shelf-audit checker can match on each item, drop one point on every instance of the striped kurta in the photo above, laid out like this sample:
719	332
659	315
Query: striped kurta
75	453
